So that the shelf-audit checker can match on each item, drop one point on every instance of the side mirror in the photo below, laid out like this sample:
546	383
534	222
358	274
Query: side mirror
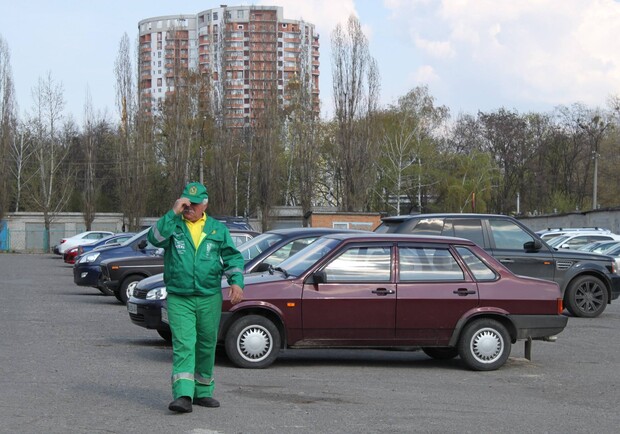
533	246
262	267
142	244
319	277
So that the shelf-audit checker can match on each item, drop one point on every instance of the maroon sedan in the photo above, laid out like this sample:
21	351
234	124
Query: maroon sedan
445	296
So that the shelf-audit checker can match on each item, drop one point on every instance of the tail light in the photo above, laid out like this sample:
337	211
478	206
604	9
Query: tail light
560	306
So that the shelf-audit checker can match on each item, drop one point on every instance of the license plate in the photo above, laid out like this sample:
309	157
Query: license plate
132	308
164	315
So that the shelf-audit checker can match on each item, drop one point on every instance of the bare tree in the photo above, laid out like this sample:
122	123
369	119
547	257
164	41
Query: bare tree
356	88
8	125
88	148
406	141
134	134
20	152
50	189
301	132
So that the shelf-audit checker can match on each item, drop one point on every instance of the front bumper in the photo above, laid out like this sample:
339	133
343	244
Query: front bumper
146	313
87	274
615	286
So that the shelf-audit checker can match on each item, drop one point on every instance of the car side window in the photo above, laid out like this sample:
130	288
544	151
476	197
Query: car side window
470	229
360	264
430	226
479	269
416	264
508	235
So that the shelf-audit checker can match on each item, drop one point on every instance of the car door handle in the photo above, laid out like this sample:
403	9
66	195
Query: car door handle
383	291
506	261
463	292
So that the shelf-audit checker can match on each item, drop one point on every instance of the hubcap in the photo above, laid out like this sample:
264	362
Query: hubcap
589	297
254	343
130	289
487	345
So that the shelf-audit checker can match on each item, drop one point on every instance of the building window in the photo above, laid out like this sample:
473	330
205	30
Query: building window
214	16
240	14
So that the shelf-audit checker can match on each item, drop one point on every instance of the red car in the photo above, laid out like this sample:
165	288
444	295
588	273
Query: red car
445	296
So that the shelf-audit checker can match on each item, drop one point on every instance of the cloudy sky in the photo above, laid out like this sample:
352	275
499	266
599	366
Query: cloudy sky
525	55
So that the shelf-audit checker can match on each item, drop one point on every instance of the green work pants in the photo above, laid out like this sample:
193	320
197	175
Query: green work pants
194	322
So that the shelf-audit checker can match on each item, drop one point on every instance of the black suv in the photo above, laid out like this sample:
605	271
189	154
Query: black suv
588	281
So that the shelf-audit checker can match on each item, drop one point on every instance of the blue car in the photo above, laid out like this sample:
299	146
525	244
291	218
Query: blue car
87	269
116	239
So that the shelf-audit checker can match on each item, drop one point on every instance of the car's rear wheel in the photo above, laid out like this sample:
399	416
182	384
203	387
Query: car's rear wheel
127	287
586	296
252	341
484	345
441	353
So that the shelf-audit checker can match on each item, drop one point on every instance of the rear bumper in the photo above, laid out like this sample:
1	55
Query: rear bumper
538	326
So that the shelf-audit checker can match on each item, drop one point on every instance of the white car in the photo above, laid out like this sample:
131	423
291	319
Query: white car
550	233
581	238
80	239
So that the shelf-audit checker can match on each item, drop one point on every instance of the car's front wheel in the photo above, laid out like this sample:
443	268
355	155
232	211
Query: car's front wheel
252	341
484	345
586	296
165	334
127	287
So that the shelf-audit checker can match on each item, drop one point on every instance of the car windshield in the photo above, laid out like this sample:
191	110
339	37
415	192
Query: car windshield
304	259
135	237
254	247
557	241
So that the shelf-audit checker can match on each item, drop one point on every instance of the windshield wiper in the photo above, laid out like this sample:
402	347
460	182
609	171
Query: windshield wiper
283	271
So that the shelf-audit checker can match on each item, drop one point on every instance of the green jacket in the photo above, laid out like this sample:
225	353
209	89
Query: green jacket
191	271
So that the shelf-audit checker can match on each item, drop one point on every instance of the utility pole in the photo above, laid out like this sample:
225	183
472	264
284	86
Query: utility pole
595	183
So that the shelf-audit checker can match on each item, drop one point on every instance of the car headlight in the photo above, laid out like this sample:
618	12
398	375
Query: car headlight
91	257
157	294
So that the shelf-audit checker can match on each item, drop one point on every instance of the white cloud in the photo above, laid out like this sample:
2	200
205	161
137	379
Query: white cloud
525	52
324	14
425	74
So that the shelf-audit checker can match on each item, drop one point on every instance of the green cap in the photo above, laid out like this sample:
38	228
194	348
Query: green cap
195	192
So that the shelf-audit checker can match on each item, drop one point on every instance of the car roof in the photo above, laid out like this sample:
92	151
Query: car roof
372	236
400	218
310	231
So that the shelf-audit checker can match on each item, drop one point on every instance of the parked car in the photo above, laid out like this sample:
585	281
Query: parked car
576	240
588	282
81	238
87	269
599	246
261	253
550	233
443	295
120	275
116	239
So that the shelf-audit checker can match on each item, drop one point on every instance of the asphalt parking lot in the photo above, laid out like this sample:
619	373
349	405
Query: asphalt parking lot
72	362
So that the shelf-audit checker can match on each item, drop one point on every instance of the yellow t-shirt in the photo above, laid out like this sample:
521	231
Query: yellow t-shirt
195	229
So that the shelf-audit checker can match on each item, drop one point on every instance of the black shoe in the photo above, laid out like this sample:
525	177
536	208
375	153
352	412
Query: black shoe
207	402
181	405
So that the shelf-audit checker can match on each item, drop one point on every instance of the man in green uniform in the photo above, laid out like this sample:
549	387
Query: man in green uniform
198	251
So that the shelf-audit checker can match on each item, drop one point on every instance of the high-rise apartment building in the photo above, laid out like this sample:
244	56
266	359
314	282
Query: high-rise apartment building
248	53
